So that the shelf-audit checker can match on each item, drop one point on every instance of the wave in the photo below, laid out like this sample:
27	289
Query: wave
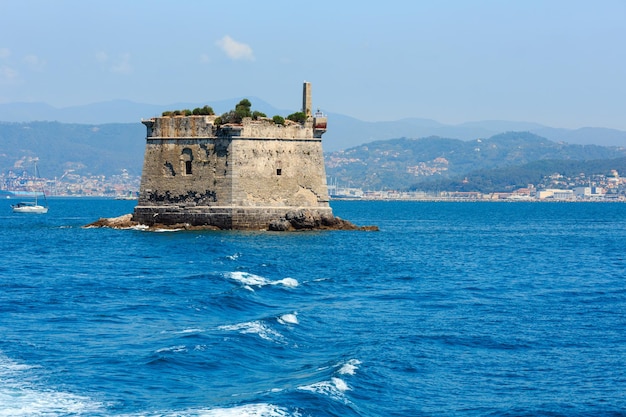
188	331
251	280
262	327
19	396
286	282
335	387
257	327
350	367
248	410
290	318
173	349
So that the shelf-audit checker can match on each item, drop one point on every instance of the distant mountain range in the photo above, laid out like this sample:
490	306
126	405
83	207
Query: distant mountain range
373	155
344	131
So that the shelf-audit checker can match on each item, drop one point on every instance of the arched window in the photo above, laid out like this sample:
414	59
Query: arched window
186	159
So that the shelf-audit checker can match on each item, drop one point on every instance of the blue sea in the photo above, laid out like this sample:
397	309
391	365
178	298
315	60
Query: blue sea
451	309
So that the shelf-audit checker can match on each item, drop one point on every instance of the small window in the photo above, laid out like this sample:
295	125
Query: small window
186	157
279	171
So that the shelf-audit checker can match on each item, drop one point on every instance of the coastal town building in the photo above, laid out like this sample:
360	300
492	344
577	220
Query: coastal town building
555	194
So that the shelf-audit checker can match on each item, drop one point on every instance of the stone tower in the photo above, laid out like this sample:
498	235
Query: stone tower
232	176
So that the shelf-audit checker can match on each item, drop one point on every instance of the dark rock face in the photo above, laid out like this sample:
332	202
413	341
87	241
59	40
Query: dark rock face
308	220
292	221
122	222
331	221
303	219
279	225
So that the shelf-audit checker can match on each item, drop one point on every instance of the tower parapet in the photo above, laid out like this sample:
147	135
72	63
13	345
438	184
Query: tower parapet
205	126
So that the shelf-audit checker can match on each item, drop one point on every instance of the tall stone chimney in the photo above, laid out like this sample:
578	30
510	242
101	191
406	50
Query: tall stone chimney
306	99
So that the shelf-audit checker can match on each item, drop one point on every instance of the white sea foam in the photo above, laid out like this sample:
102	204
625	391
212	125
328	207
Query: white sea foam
249	280
9	368
350	367
254	327
249	410
340	384
192	330
22	401
174	349
288	318
18	397
184	331
334	388
287	282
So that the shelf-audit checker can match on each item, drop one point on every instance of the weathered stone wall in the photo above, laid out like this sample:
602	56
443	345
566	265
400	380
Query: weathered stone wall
181	126
167	180
203	126
278	172
265	128
236	218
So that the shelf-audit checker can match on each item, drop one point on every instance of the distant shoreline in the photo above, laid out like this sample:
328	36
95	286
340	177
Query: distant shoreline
479	200
425	200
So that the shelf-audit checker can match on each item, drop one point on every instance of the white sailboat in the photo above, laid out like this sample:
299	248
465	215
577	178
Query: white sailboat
32	206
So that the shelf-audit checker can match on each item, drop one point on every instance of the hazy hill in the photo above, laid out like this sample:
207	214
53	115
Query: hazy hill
402	163
85	149
514	177
344	131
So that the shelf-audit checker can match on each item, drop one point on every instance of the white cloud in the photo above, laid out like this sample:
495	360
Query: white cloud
122	66
119	65
234	49
102	57
8	75
5	53
34	62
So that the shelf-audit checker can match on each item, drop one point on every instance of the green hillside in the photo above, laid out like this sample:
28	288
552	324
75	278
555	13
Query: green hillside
433	161
84	149
514	177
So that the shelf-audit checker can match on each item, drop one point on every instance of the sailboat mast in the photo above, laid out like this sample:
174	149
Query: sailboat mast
43	189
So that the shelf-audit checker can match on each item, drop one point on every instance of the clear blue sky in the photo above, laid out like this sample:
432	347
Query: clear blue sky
557	62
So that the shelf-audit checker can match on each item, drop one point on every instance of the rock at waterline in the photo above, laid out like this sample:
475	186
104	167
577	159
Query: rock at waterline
293	221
